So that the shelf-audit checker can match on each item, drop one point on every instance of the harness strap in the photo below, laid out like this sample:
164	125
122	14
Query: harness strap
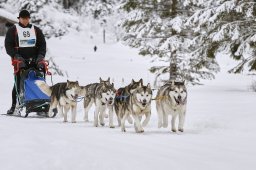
79	99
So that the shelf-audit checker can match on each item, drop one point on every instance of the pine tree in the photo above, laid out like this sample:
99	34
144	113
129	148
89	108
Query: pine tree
158	29
227	26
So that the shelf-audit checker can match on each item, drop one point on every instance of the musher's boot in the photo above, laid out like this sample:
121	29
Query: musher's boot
11	110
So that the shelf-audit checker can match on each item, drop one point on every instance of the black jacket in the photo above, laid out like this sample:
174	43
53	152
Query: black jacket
11	41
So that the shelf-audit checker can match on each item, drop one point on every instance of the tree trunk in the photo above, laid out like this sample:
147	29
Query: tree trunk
173	66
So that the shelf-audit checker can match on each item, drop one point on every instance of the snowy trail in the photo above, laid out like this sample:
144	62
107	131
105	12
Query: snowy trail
219	128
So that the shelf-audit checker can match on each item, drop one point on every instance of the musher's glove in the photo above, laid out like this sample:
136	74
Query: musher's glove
19	61
40	62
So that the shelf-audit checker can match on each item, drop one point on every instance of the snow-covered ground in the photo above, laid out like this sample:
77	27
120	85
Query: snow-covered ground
219	129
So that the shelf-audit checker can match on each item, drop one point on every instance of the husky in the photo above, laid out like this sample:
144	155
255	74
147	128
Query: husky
63	97
121	97
138	104
102	95
171	99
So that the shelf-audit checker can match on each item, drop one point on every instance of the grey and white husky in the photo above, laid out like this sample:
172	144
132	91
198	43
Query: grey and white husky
102	95
63	97
137	105
121	97
171	99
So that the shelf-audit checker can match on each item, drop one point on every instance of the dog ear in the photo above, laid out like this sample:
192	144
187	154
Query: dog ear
68	82
108	79
112	85
100	79
148	86
141	82
77	83
133	81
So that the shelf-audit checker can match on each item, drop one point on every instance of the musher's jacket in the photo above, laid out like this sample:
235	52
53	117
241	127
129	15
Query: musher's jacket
28	42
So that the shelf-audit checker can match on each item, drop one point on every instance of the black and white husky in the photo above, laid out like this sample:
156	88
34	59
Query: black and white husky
102	95
63	97
137	105
171	99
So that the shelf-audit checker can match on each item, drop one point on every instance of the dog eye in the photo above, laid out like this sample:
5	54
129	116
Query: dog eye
147	95
176	91
181	91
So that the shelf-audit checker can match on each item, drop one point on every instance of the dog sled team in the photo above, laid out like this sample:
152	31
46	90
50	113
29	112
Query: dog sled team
131	103
26	45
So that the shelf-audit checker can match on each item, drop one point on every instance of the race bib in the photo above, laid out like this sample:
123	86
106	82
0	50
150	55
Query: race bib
26	36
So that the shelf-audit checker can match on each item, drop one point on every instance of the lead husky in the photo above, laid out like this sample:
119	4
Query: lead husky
137	104
102	95
63	97
171	99
121	97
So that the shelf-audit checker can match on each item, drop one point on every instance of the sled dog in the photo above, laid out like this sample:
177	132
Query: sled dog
102	95
122	94
137	105
171	100
63	97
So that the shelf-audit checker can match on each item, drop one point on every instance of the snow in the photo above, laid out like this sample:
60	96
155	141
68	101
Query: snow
8	15
219	128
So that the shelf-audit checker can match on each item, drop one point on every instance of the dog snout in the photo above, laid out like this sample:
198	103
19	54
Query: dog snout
144	101
179	97
111	98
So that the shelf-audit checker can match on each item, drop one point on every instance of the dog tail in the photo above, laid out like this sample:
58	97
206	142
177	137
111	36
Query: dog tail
44	87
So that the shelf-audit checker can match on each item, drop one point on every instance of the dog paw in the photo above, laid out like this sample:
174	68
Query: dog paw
86	120
111	126
96	125
123	130
102	124
73	121
139	130
165	125
174	130
50	114
181	130
65	121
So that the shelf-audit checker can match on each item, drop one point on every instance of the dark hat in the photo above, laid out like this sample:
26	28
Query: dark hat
24	14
